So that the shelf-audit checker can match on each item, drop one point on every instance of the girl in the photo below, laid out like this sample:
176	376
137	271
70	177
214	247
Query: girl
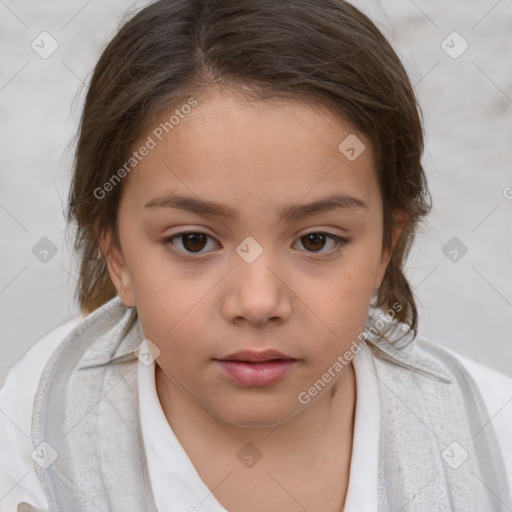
247	187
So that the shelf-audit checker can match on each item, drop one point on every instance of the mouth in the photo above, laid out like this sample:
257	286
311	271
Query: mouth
256	369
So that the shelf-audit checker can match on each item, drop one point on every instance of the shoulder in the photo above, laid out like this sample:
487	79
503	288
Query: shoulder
423	357
16	402
489	380
495	387
496	391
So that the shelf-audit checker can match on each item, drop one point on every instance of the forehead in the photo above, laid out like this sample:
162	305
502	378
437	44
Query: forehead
257	153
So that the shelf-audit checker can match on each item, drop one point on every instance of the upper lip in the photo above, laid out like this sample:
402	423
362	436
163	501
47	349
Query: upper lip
255	356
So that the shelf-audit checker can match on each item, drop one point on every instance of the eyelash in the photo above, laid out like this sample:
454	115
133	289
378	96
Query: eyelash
341	242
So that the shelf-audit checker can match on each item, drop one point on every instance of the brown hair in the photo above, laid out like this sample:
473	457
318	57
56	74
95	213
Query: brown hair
324	51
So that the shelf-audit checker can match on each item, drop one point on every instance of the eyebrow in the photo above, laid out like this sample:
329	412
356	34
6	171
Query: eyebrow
296	211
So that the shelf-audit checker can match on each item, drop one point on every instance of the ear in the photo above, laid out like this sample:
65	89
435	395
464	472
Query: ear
400	219
117	269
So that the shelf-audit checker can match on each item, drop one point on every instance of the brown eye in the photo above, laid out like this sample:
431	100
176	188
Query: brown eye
188	242
194	242
316	241
313	241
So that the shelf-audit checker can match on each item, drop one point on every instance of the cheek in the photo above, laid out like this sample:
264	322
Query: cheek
176	318
172	300
341	302
350	284
344	309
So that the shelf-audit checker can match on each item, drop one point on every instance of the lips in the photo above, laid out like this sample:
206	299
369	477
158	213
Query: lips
251	356
255	369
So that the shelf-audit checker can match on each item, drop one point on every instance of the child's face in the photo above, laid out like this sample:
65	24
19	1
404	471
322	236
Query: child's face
203	298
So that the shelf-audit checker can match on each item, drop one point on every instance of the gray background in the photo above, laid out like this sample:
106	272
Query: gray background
467	104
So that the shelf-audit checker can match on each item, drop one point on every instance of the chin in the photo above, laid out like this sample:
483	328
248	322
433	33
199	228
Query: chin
252	415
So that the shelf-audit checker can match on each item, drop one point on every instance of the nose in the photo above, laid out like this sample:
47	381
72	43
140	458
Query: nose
257	292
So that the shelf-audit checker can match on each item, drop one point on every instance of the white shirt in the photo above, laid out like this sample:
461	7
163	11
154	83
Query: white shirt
175	482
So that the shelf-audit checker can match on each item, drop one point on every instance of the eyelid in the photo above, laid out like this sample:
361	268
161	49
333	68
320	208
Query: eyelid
186	231
340	241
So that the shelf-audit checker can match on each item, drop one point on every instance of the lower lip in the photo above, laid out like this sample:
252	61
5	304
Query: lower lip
256	374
